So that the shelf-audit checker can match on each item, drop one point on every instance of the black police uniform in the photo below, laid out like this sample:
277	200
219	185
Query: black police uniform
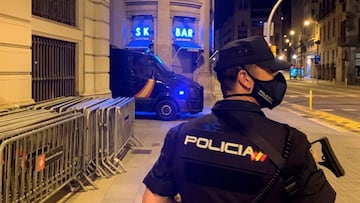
213	159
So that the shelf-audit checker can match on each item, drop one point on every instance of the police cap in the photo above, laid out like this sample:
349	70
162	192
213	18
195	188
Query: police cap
251	50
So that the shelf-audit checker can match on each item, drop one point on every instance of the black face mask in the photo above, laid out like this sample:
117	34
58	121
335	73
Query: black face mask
267	93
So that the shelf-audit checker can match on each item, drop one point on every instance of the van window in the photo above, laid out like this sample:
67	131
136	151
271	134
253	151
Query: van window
137	65
160	65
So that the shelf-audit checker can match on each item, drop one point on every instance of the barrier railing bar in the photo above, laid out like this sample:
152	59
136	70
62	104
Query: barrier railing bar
110	153
75	102
43	104
26	121
19	115
17	131
70	102
9	112
103	143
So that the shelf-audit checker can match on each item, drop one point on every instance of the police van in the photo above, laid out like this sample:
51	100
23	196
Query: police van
141	74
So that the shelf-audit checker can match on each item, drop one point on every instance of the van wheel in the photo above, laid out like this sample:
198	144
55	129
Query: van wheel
166	110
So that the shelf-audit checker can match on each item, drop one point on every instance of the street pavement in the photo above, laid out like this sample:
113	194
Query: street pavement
127	187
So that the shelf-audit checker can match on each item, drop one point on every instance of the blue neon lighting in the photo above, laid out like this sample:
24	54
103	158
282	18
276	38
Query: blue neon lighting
139	44
181	92
184	32
143	27
187	45
142	31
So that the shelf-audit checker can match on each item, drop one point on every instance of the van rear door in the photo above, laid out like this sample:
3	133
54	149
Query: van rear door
141	83
119	72
128	73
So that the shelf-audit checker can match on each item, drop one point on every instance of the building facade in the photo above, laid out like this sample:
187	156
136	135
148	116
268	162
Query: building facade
178	31
329	42
59	48
53	48
304	35
248	19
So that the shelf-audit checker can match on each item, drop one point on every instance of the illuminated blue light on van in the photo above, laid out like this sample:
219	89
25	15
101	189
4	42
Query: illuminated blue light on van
181	92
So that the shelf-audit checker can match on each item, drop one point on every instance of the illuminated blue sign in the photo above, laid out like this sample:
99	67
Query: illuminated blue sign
183	28
317	59
143	28
142	31
184	32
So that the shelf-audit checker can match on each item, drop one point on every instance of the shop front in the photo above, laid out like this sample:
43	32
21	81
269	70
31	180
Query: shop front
142	32
187	53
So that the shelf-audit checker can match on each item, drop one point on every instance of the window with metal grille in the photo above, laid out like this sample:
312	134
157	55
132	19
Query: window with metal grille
62	11
53	68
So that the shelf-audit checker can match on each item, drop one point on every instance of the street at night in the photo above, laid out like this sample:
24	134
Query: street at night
337	99
90	90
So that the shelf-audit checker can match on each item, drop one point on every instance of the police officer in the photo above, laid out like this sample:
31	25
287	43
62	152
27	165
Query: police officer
235	153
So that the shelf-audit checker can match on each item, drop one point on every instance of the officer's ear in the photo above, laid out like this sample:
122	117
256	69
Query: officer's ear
244	80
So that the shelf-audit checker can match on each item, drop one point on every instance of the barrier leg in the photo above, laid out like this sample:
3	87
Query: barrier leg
136	141
88	181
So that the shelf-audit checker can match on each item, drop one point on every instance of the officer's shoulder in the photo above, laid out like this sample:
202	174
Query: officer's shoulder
297	131
284	127
197	123
200	121
299	135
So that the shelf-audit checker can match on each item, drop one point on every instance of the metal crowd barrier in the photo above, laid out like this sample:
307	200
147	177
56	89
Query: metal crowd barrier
47	145
108	129
41	157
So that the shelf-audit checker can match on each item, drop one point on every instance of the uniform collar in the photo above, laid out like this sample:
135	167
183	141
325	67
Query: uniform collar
238	114
235	109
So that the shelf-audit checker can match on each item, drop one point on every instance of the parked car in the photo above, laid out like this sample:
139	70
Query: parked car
296	72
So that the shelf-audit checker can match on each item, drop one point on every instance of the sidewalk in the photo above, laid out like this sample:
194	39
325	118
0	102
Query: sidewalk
327	83
128	188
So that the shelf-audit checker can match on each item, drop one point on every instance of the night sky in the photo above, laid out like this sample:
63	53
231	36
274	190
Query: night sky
224	8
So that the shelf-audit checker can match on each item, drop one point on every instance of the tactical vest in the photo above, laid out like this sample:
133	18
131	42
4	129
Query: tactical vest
214	166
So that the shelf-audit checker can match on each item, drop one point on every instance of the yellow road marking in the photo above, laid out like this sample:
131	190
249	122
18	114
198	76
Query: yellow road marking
330	118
